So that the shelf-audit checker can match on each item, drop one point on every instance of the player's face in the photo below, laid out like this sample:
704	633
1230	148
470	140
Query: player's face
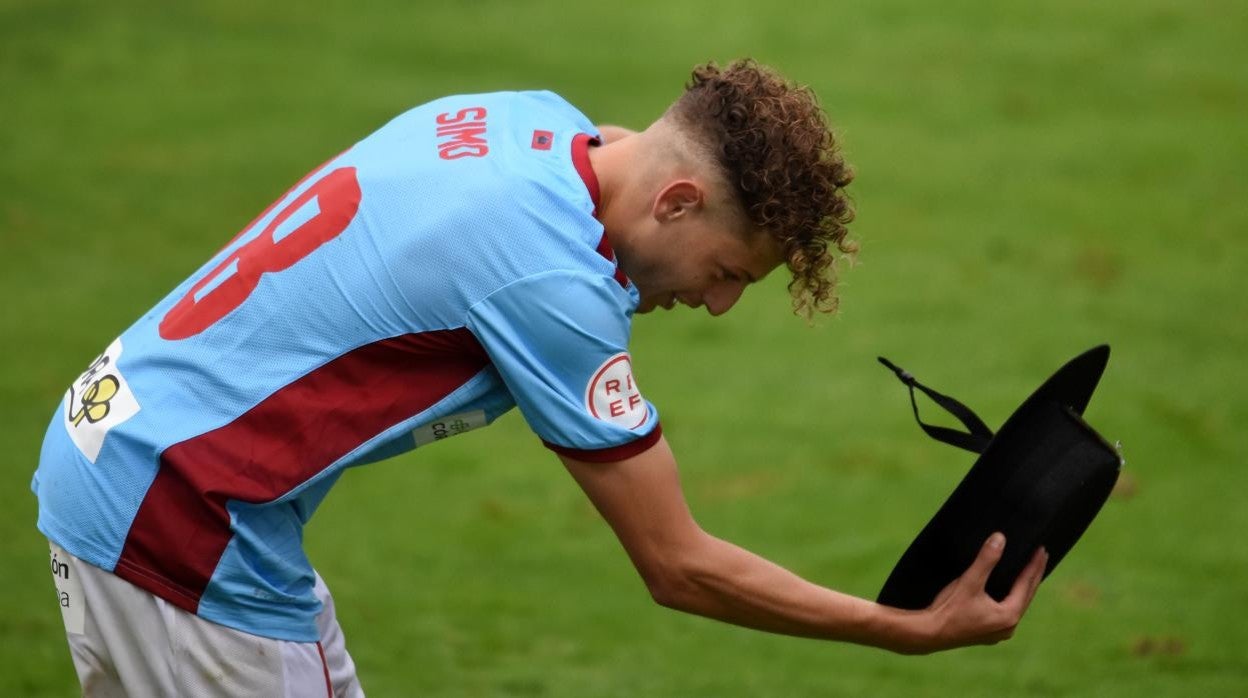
699	263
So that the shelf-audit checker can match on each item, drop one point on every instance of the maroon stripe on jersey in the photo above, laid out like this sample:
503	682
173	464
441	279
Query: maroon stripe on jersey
604	248
182	527
580	160
615	453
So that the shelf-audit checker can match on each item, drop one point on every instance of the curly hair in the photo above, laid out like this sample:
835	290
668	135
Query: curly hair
772	142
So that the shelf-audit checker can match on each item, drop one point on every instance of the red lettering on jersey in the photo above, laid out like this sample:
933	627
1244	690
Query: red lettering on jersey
462	134
611	386
461	115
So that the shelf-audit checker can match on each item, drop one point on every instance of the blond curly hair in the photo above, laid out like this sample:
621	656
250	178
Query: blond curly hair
772	142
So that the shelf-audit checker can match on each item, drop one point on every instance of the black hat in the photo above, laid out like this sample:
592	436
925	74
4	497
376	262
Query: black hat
1040	480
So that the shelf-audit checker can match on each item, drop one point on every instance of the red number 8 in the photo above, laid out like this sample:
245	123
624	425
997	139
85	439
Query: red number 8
337	198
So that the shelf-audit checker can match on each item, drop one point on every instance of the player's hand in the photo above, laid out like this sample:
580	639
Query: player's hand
964	614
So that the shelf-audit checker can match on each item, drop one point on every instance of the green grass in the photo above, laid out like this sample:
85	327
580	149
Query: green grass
1033	180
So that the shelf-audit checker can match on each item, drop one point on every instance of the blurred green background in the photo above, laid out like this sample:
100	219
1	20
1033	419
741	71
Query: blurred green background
1034	179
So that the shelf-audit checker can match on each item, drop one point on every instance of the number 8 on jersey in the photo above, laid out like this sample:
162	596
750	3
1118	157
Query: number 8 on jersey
317	216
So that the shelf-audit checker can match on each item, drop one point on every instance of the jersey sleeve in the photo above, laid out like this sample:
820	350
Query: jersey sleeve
560	342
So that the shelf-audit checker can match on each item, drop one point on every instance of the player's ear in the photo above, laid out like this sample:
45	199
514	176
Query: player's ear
677	200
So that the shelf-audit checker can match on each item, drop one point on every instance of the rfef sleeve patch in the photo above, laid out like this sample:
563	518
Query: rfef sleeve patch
613	396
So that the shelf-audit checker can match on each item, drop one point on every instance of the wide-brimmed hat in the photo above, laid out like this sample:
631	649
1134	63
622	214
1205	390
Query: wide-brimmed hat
1040	480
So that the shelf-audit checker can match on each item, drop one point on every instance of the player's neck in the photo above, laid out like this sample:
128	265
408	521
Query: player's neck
610	163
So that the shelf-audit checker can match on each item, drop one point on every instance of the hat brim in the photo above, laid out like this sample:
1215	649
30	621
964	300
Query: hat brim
1041	481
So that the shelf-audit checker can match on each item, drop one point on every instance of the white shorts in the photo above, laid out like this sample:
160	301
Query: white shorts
127	642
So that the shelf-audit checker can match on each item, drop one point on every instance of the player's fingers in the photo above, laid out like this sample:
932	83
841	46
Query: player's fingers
1024	589
987	559
1040	560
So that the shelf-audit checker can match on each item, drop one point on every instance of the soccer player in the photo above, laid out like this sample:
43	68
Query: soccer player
476	253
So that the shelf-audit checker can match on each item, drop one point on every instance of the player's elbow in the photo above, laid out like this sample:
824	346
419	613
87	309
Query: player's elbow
673	580
668	591
657	578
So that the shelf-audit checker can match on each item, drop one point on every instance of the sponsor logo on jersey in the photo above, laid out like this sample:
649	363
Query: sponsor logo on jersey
97	401
462	134
542	140
445	427
613	396
68	589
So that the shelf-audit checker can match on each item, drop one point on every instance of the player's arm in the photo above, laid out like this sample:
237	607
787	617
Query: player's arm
611	133
689	570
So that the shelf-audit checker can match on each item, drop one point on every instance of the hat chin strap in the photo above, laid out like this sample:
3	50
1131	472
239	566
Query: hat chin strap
977	435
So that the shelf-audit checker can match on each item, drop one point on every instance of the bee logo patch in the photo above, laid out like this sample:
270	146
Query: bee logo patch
97	401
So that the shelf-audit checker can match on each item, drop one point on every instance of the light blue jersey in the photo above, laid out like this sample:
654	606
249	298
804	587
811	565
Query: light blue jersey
420	284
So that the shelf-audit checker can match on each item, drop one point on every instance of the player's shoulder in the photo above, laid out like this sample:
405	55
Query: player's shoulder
548	103
503	167
491	139
496	109
533	156
520	102
588	299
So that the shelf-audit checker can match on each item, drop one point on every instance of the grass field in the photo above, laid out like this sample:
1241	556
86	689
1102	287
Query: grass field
1034	179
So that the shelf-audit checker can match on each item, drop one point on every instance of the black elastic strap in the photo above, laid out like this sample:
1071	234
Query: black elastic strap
977	436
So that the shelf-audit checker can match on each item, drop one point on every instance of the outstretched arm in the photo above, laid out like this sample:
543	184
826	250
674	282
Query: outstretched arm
687	569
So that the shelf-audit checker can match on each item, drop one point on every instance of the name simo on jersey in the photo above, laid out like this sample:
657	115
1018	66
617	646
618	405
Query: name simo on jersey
462	134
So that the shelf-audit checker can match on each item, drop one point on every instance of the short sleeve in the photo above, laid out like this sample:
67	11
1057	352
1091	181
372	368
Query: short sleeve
560	342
